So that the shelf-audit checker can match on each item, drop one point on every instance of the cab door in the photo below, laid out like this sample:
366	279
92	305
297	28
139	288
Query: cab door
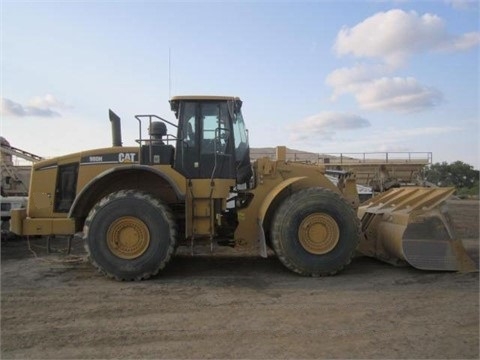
206	146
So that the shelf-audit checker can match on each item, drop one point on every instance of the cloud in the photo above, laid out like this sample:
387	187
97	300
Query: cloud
325	124
397	94
462	4
395	35
40	106
350	80
464	42
372	91
390	39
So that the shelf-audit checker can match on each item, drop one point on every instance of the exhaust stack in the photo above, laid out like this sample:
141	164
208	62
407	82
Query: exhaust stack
116	128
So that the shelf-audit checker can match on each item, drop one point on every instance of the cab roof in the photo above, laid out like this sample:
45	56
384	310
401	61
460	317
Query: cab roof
204	97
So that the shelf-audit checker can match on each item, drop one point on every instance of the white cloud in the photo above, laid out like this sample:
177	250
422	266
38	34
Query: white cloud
462	4
395	35
40	106
47	101
397	94
391	38
350	80
464	42
372	91
326	124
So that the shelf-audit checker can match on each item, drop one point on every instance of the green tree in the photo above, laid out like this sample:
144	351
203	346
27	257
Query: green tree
458	174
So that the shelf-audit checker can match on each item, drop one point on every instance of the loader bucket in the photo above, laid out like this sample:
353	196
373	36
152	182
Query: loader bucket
412	225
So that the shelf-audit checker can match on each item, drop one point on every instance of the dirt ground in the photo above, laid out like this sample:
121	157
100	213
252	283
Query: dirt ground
59	307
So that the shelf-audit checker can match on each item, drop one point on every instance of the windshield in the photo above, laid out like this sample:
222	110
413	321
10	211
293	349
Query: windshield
240	134
216	127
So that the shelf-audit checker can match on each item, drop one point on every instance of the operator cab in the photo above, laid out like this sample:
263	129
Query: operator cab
212	140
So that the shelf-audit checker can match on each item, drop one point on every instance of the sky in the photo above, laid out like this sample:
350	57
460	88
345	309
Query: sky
321	76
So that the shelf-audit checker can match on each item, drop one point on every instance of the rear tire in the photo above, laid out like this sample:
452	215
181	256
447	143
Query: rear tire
129	235
315	232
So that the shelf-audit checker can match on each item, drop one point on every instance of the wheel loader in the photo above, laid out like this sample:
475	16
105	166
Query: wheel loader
134	206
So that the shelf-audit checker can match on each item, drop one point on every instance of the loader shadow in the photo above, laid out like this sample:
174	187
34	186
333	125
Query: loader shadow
228	269
269	276
183	266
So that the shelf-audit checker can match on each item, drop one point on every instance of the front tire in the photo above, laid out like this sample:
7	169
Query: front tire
129	235
315	232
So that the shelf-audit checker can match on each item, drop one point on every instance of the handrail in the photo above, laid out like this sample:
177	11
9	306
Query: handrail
149	141
393	157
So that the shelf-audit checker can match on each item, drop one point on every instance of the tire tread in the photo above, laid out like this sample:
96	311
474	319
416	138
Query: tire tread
160	205
307	196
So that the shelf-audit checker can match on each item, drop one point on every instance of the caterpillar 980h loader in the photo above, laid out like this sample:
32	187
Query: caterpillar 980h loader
135	205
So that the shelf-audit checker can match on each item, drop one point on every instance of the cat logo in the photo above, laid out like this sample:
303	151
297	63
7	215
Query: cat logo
126	157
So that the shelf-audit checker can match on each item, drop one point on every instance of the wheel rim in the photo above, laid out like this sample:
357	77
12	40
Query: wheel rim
128	237
318	233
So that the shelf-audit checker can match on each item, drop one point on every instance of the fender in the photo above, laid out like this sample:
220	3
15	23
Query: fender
80	196
273	194
267	201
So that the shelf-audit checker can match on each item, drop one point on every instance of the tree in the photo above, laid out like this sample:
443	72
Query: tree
457	174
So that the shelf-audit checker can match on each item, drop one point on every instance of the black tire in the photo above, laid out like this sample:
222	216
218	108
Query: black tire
129	235
312	254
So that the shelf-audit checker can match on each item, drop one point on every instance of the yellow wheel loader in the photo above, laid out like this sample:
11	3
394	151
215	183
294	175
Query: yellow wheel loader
134	206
